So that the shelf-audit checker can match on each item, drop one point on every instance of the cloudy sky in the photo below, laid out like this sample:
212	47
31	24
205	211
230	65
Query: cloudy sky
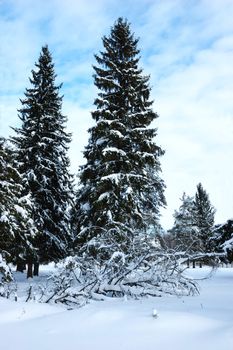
186	47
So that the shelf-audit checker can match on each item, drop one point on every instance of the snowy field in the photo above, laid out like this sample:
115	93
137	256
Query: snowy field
203	322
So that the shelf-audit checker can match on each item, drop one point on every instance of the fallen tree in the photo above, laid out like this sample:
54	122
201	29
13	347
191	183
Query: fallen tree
156	273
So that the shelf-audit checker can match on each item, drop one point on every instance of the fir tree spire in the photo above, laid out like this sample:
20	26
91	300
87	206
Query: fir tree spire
121	189
42	145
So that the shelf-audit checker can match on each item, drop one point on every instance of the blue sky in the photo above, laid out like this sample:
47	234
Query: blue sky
186	47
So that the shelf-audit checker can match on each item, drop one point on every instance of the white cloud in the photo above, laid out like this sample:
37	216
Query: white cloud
196	106
78	123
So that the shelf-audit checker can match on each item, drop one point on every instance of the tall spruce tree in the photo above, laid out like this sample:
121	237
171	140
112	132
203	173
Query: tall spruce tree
17	229
42	145
204	217
121	190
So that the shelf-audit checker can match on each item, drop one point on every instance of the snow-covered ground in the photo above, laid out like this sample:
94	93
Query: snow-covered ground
203	322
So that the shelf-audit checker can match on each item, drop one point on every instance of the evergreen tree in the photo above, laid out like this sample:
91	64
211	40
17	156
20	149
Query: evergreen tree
184	231
222	239
120	191
5	274
203	217
42	145
17	229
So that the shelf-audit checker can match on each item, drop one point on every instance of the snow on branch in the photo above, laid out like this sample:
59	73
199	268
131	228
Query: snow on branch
79	279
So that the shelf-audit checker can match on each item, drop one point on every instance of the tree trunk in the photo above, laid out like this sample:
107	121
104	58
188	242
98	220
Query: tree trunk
36	269
29	270
194	264
20	266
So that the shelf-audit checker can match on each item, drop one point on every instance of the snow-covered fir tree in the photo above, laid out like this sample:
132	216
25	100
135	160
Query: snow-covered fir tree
17	229
184	232
203	216
5	274
222	240
41	144
121	190
193	227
